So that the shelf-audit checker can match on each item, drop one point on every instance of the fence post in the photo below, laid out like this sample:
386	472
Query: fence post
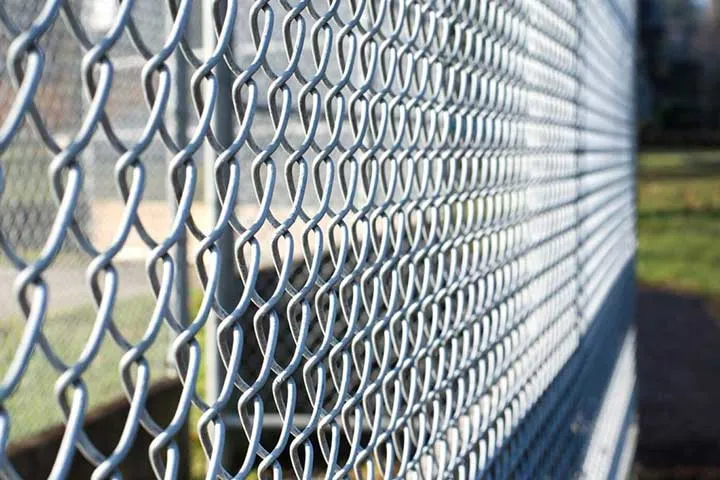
227	290
179	114
179	306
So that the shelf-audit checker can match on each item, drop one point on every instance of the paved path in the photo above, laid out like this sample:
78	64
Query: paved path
69	286
679	380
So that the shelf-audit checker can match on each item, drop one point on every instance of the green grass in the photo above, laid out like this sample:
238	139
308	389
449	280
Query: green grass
33	406
198	461
658	160
679	221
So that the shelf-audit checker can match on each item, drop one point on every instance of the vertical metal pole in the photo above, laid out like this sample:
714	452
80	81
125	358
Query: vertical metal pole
179	113
222	126
228	291
179	306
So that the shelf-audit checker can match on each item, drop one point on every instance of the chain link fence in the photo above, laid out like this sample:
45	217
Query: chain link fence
29	208
410	224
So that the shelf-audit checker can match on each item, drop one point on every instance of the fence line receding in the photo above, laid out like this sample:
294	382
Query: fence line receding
370	238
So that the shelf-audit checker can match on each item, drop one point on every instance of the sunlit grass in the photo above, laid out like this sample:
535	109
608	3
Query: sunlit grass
33	406
679	221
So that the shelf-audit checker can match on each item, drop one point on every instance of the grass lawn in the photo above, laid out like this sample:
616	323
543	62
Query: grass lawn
33	406
679	221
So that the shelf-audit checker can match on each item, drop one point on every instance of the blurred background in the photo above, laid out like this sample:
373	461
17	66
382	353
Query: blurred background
679	225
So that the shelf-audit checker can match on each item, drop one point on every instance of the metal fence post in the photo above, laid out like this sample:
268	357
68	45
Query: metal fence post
180	303
179	113
226	296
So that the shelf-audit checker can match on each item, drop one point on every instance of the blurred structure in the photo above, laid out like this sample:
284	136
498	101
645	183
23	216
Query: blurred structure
679	75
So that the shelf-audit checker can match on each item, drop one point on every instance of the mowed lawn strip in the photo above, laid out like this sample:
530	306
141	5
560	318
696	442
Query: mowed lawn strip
679	221
34	406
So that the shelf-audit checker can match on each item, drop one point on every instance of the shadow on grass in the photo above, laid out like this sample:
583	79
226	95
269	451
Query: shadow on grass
678	357
691	170
702	213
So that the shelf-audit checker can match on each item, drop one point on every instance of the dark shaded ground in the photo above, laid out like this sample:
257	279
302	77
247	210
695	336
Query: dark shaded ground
678	384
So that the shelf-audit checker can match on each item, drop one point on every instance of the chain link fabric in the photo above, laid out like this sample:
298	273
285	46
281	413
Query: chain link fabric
431	204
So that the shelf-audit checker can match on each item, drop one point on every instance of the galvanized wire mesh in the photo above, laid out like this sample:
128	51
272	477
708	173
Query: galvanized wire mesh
411	224
28	208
